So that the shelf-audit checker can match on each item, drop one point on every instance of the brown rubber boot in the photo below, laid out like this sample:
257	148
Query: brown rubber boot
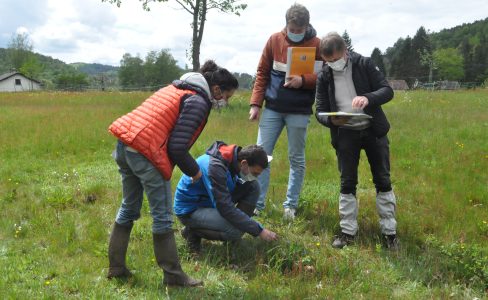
117	249
167	258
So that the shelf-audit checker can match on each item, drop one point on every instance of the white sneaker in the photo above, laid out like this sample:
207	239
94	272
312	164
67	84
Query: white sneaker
256	212
289	213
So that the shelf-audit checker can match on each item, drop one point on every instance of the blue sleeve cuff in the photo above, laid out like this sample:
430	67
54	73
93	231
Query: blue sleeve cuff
260	227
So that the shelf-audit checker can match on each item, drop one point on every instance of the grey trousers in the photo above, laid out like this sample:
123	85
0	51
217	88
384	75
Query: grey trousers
385	205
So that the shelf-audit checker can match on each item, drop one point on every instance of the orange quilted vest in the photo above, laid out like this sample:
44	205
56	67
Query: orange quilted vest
148	127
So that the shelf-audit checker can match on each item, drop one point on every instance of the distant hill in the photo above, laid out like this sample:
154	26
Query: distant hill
98	73
53	68
459	53
93	69
454	37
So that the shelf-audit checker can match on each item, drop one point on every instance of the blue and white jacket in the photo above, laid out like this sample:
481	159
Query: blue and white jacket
214	189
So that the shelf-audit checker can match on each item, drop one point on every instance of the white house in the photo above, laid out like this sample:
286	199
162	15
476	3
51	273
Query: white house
18	82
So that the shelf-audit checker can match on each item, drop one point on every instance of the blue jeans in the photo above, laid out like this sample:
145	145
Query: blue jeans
140	175
210	218
270	126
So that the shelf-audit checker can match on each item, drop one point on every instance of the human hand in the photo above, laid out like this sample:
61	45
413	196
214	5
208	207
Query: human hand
196	177
293	81
268	235
339	120
254	113
359	102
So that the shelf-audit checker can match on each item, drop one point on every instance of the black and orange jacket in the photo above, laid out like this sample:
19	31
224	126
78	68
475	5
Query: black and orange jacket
165	126
270	76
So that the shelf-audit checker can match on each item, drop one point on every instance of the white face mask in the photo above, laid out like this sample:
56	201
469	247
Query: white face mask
338	65
247	177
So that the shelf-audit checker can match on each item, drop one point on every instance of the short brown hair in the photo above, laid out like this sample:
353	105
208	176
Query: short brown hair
332	43
254	155
298	15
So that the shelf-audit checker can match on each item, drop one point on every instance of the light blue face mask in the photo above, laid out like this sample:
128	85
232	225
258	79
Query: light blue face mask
295	37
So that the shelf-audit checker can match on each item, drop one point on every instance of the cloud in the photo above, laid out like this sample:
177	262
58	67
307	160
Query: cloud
71	25
92	31
26	14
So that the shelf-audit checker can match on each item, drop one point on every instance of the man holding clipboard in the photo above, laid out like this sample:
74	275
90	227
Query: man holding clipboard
350	92
288	101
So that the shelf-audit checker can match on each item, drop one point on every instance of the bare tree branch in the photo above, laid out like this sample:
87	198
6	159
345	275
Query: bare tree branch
186	8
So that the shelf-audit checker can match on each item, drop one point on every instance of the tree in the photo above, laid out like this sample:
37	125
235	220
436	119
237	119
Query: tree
131	72
245	80
480	60
421	49
469	67
198	9
348	41
19	49
390	57
377	58
450	64
31	67
401	67
160	68
21	57
71	80
427	59
402	59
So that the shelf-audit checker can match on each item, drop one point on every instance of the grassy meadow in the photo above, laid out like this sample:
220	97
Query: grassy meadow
60	191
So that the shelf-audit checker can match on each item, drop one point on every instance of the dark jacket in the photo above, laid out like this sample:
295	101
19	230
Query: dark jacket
368	81
219	178
270	76
194	112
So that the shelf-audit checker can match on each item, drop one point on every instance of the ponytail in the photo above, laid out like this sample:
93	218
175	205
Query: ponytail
216	75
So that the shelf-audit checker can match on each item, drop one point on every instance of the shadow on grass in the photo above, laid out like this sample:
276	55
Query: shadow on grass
242	256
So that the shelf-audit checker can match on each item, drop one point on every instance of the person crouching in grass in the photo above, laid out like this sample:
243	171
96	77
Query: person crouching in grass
220	205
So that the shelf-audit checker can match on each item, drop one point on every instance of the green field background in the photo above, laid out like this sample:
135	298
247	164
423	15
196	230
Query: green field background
60	191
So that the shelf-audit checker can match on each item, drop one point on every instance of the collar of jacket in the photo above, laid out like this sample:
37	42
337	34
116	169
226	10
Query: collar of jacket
226	153
182	85
354	57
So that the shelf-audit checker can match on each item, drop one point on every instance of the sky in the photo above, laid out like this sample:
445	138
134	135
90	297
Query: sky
94	32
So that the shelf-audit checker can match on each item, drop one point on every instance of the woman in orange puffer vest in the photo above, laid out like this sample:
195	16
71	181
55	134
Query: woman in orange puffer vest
152	139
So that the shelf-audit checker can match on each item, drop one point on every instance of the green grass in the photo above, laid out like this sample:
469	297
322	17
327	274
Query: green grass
60	190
